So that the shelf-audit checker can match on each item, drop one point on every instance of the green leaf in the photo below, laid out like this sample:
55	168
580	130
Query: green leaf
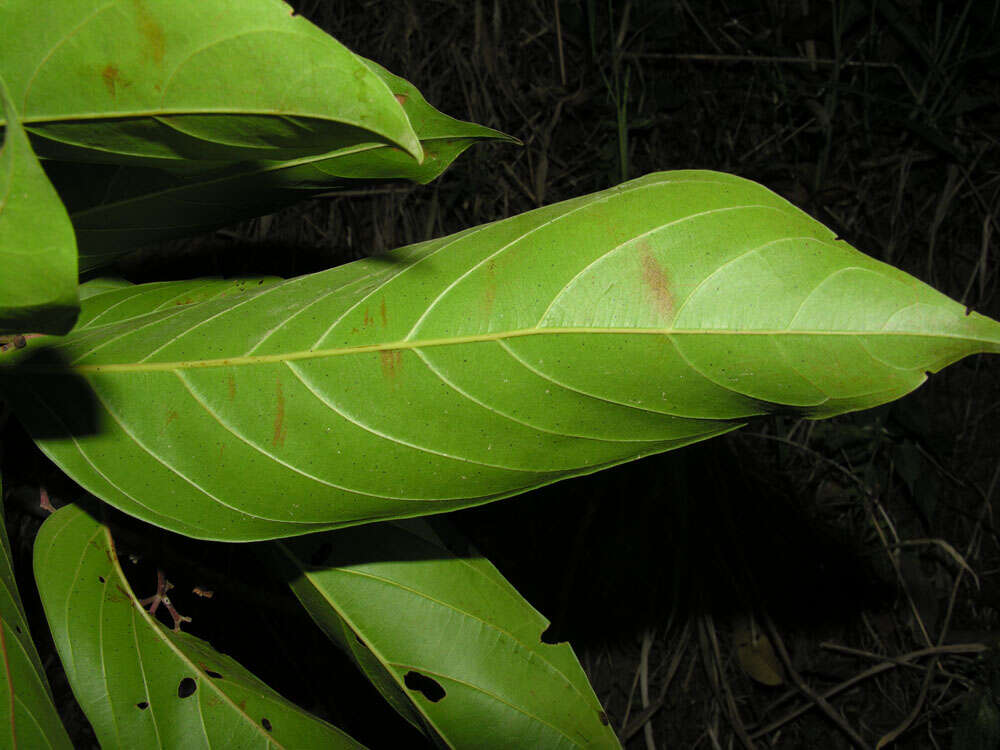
117	208
445	638
140	684
166	81
28	717
474	367
37	250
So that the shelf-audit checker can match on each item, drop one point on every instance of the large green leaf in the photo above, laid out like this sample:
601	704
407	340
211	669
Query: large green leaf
162	81
473	367
448	641
140	684
28	717
117	208
37	250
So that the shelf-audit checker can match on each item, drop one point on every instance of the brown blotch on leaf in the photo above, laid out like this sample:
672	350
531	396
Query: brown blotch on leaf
231	383
279	418
392	361
401	98
112	77
658	283
151	31
368	320
171	416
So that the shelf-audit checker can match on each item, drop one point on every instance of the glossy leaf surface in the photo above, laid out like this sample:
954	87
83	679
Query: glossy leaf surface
28	717
445	638
477	366
167	81
117	208
140	684
38	268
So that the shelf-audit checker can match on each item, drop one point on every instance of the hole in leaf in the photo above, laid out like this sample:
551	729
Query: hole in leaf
212	673
100	578
358	639
424	685
18	629
142	705
186	687
266	724
551	636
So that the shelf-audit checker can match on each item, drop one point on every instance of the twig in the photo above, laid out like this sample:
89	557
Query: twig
819	700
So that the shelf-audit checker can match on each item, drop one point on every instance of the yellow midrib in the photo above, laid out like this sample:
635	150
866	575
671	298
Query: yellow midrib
405	344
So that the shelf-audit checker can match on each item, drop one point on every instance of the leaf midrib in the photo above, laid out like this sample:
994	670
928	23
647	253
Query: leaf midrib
985	344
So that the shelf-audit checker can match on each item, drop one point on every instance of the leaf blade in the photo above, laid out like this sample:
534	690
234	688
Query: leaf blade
161	82
117	208
133	697
478	366
502	686
28	715
37	248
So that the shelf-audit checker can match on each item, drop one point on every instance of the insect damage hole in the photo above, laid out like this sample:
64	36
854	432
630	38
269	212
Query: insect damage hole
266	724
186	687
142	705
213	674
429	688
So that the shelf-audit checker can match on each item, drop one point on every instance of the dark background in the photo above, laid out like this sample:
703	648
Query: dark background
880	119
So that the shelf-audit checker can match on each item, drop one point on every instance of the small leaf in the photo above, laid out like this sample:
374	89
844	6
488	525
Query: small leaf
755	653
161	82
466	369
28	717
445	638
38	268
117	208
140	684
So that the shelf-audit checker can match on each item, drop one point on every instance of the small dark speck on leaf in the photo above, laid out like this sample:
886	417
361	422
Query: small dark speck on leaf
142	705
266	724
424	685
186	687
213	674
100	578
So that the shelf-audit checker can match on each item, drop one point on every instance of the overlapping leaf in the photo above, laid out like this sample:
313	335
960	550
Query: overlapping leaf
162	82
28	717
473	367
140	684
38	268
448	641
116	208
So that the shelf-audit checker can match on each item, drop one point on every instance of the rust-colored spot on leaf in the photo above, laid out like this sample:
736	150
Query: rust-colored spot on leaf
401	98
112	78
490	293
231	384
151	31
279	417
392	361
171	416
385	318
658	284
369	320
